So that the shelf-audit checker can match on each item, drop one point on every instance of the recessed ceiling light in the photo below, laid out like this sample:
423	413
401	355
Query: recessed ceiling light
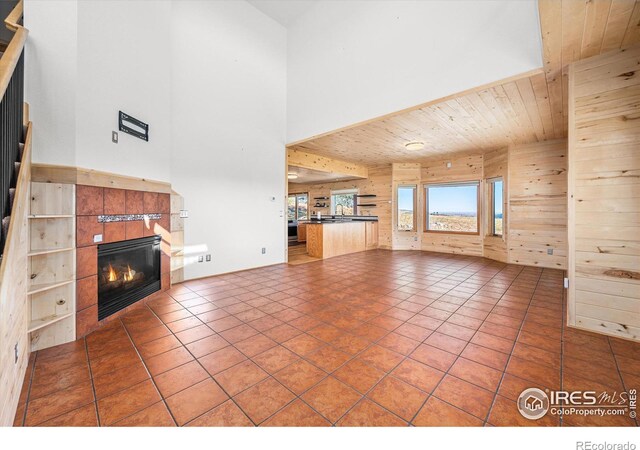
292	176
414	145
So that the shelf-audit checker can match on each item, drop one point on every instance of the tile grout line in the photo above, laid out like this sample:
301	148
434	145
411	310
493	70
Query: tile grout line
93	387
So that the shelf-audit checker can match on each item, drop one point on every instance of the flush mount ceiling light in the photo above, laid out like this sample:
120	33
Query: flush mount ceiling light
414	145
292	176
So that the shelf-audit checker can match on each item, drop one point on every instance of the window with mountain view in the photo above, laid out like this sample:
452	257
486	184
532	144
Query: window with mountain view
496	187
297	207
344	202
406	208
452	208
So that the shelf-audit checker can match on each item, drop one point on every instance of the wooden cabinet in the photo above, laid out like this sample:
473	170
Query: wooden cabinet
371	235
302	232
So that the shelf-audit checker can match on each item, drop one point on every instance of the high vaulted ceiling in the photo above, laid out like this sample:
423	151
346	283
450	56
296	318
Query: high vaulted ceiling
283	11
529	108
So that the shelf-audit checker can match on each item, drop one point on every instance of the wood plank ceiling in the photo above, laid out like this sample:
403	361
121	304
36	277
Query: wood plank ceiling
520	110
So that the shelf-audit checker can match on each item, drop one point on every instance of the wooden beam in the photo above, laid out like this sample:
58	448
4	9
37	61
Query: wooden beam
49	173
306	160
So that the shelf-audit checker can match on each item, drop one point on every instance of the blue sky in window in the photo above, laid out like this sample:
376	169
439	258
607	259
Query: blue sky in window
405	198
498	197
450	199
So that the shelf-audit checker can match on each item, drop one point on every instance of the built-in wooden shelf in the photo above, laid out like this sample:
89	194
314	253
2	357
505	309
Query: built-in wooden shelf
51	216
36	288
50	251
366	195
367	205
46	321
321	198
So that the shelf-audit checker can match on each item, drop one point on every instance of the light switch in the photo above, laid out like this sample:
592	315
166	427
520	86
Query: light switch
97	238
184	213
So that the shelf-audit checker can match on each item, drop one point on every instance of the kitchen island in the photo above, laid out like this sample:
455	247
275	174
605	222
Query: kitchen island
335	238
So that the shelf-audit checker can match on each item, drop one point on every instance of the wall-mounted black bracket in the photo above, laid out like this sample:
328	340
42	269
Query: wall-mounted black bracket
133	126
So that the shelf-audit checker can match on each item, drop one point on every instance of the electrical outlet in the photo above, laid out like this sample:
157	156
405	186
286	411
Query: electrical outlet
15	350
566	283
184	213
114	137
97	238
264	250
549	251
200	258
208	258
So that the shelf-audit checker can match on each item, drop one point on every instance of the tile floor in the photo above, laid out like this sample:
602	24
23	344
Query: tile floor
378	338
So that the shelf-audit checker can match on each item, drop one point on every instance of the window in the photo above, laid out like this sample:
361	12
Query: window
452	208
496	189
297	206
406	208
344	202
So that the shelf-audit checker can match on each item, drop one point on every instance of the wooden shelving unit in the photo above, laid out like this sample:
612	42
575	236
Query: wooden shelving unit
52	265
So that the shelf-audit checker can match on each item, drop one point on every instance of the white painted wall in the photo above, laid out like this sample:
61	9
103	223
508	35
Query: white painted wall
51	75
229	119
351	61
124	64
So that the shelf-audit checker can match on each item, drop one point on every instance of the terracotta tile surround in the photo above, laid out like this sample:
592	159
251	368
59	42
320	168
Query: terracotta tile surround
378	338
92	201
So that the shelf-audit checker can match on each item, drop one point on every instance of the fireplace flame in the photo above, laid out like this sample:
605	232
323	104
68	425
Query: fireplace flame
128	275
113	276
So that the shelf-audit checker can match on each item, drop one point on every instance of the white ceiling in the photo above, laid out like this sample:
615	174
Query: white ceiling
283	11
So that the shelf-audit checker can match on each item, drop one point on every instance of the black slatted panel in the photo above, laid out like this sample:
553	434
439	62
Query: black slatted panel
11	135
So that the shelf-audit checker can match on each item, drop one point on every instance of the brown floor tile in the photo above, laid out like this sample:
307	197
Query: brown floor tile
180	378
433	357
264	399
81	417
62	379
58	403
207	345
331	398
282	333
398	397
350	344
194	334
300	376
275	359
119	380
368	414
466	396
486	356
194	401
399	343
424	377
328	358
240	377
158	346
156	415
168	360
359	375
380	357
436	413
239	333
447	343
477	374
125	403
255	345
226	415
221	360
303	344
296	414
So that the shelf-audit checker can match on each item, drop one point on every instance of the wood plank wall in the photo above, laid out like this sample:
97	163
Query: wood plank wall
495	165
14	313
538	204
604	193
378	183
465	168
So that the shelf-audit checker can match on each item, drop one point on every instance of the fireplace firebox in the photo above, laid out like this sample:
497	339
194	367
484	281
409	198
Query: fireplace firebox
127	272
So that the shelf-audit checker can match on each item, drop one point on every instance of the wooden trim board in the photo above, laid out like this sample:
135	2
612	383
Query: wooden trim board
49	173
